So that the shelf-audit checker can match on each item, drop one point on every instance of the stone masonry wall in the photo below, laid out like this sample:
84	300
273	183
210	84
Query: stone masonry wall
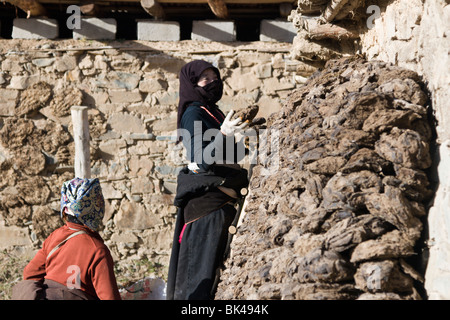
131	89
414	34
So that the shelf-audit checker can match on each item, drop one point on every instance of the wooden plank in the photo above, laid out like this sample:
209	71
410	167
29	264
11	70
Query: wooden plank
82	163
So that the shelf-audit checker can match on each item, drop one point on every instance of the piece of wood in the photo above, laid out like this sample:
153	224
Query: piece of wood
332	31
153	8
32	7
311	7
219	8
351	10
82	163
89	8
332	10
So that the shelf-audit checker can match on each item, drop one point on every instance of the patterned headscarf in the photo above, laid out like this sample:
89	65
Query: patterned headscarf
84	199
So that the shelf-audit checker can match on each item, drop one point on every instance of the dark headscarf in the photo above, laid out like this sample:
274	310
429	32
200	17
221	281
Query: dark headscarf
191	92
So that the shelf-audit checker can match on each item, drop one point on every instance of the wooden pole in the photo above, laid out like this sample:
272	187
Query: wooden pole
89	8
80	122
219	8
153	8
32	7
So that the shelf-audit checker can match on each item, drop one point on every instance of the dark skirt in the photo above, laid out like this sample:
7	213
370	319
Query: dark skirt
194	262
47	290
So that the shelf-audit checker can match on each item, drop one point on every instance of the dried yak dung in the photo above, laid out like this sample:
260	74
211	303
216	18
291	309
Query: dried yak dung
339	214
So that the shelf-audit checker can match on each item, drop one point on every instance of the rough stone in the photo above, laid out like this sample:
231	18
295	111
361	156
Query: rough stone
11	236
35	29
273	30
95	28
134	216
8	100
22	82
158	30
119	96
213	30
126	123
152	85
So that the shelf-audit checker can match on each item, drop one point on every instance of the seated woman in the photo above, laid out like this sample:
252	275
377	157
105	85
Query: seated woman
73	263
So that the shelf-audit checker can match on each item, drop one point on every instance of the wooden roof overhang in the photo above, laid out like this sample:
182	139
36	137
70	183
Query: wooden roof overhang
156	8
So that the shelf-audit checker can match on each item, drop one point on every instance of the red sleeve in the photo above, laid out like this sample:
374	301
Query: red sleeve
103	278
35	270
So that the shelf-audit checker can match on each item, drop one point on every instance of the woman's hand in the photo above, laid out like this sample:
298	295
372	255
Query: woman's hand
231	127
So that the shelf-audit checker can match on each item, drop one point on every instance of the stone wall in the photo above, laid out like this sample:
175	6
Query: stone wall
131	89
415	34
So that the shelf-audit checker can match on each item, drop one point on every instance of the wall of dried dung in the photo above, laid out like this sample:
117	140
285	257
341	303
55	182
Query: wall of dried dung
343	215
131	89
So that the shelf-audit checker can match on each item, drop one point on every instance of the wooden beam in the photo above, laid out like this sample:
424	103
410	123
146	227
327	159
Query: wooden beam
89	8
32	7
332	10
82	161
332	31
350	10
219	8
153	8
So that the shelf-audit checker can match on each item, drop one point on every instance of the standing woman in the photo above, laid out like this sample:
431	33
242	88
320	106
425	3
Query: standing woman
207	189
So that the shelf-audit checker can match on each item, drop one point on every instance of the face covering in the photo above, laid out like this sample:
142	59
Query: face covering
212	92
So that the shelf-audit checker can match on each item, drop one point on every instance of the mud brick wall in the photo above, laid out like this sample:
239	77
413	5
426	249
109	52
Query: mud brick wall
131	89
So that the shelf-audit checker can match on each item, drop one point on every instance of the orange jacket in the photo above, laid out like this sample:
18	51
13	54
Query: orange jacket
83	262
